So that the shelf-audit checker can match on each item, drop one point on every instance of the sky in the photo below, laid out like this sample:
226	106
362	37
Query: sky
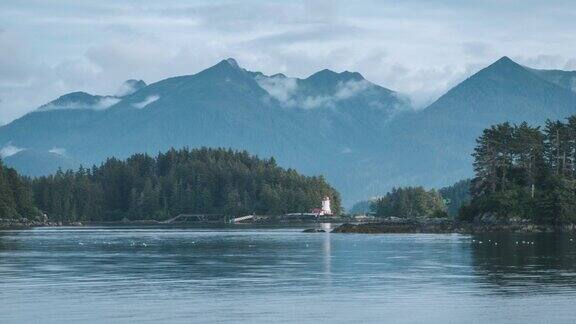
420	48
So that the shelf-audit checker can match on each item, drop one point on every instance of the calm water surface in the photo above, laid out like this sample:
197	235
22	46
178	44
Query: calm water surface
262	275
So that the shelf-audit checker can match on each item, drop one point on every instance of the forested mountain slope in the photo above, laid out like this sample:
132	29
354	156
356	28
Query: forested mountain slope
363	137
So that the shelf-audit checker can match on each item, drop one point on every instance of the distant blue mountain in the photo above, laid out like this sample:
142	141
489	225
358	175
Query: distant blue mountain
129	87
363	137
36	163
433	147
80	100
565	79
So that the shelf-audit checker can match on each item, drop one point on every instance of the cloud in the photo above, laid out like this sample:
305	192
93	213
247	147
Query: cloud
351	88
476	49
557	62
58	151
9	150
344	90
287	92
570	65
313	102
125	90
311	34
105	103
279	87
416	47
101	104
146	102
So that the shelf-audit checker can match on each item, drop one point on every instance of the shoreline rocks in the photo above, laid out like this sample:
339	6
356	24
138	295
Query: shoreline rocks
387	225
396	225
24	223
313	230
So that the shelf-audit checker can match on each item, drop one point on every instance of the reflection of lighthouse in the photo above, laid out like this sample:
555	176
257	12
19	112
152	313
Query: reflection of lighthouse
326	206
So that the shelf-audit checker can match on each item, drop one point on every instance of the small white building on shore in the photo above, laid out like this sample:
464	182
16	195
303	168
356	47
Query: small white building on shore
326	210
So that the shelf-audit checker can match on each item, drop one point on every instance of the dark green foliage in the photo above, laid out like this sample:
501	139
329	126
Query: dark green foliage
362	207
524	172
439	213
214	181
15	196
410	202
456	195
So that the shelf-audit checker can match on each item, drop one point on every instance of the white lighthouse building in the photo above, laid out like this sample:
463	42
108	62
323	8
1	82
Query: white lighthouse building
325	210
326	206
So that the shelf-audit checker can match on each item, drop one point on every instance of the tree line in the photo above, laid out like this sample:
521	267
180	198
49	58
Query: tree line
198	181
456	195
15	195
410	202
527	172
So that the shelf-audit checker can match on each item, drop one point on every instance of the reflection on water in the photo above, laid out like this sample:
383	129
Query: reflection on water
274	274
525	264
327	248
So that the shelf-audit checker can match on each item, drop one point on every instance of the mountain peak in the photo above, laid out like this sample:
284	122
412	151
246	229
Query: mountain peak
351	76
80	100
226	76
505	60
129	87
506	90
327	75
503	69
75	99
134	82
225	67
232	62
505	63
228	63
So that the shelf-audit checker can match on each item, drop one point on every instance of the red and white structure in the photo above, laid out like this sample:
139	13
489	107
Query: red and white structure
325	210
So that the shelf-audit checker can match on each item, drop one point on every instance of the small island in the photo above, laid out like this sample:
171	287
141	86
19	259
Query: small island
525	181
199	185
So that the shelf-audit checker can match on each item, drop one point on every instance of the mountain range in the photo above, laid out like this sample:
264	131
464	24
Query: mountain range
362	137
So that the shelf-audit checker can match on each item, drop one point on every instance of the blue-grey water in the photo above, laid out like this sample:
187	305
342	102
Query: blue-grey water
263	275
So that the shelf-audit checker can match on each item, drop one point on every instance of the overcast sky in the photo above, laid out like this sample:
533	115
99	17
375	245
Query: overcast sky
418	47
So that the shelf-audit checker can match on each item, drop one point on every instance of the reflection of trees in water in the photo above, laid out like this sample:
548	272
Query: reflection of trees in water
200	258
8	241
3	243
525	263
190	258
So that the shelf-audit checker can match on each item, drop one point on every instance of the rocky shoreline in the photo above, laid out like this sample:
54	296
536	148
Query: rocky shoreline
449	226
398	226
24	223
390	225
